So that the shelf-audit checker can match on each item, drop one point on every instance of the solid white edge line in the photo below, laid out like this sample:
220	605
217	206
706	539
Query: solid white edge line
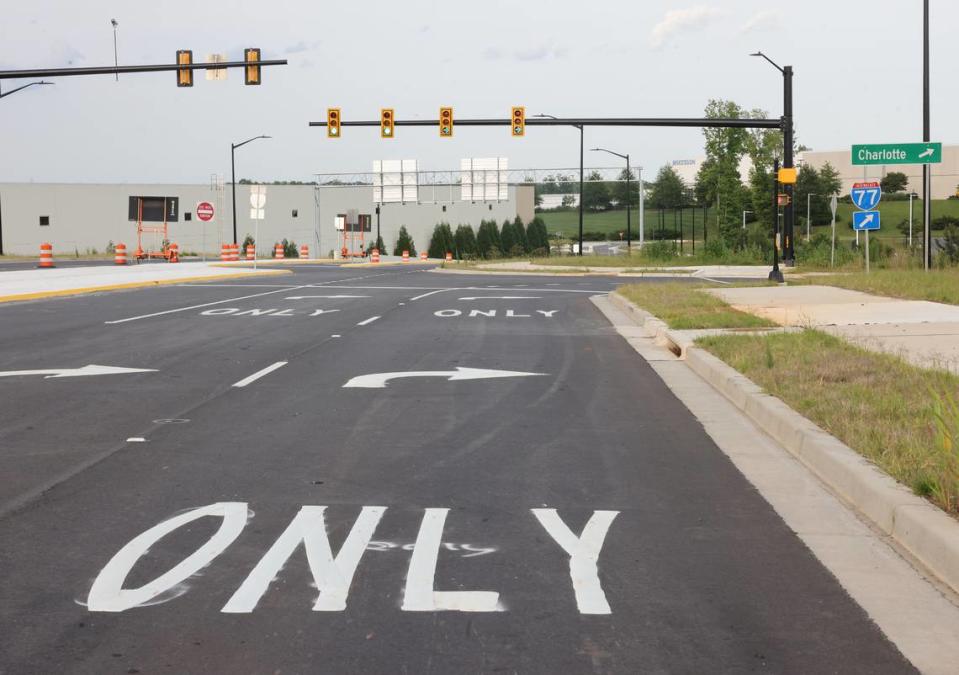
368	321
257	375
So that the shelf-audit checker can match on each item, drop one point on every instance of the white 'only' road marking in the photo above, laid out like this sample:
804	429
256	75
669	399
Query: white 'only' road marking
260	373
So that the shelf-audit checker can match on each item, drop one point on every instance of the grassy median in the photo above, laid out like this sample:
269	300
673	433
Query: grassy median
683	306
940	285
903	418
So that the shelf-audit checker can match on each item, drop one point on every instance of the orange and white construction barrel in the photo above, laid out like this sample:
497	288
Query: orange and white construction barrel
278	252
250	252
406	256
375	256
120	254
46	256
305	251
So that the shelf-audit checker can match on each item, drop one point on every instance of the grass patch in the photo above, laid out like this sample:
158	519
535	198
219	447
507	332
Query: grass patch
901	417
683	306
940	285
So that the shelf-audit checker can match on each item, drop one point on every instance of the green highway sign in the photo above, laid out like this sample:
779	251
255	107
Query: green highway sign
897	153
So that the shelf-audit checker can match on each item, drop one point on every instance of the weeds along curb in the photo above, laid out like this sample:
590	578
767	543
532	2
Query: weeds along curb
926	532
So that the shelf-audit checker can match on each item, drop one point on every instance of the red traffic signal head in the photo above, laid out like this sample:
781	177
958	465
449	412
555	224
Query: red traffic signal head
333	122
518	117
446	122
386	122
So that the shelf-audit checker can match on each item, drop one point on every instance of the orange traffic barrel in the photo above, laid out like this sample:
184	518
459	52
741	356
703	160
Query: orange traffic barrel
174	253
120	254
406	256
234	252
449	257
278	252
305	251
225	253
375	256
424	255
250	252
46	256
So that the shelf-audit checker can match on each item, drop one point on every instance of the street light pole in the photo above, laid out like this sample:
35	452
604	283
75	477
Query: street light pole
789	219
21	88
580	127
776	274
809	212
629	229
233	147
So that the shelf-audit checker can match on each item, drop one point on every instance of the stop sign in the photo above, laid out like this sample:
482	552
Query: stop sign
204	211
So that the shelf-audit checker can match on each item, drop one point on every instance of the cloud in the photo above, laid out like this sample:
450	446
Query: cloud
297	48
543	52
764	20
683	20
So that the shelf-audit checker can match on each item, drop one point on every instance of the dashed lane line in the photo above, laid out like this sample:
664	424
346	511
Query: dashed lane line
260	373
368	321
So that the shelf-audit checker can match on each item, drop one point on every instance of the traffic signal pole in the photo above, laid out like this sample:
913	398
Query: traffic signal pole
926	137
789	216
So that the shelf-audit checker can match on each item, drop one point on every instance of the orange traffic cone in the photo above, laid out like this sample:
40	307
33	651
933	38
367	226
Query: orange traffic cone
174	253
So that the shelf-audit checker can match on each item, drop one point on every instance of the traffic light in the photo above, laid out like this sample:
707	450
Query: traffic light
386	122
184	76
252	71
332	122
519	121
446	122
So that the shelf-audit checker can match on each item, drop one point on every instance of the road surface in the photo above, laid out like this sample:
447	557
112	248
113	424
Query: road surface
237	509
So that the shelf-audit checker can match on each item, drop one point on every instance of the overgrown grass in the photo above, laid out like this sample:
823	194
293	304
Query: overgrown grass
683	306
941	285
901	417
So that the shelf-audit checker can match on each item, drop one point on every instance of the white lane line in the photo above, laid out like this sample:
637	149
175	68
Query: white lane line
325	297
728	283
336	336
501	297
206	304
136	439
368	321
426	295
238	285
257	375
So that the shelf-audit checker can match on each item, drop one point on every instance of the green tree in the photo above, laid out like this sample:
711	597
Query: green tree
488	240
520	232
538	237
669	191
465	242
895	181
808	183
404	243
441	242
830	183
724	151
595	192
619	192
508	242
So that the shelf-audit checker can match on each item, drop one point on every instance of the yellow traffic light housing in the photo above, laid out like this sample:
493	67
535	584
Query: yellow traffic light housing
446	122
252	71
386	122
519	121
184	76
332	122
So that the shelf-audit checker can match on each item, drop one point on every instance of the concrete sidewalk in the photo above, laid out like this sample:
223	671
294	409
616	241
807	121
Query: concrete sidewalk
750	272
41	283
923	333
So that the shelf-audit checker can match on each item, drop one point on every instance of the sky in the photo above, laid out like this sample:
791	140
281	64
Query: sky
858	80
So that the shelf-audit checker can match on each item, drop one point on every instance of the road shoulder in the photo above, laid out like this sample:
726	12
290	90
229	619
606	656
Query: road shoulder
919	615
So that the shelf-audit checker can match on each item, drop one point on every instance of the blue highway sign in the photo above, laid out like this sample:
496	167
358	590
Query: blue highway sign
866	220
866	196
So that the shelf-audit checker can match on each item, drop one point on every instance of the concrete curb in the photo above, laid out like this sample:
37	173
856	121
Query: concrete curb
133	284
925	531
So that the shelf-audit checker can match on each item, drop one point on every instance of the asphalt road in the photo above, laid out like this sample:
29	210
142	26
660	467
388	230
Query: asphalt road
681	567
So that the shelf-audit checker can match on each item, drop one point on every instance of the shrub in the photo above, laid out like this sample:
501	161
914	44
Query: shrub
660	250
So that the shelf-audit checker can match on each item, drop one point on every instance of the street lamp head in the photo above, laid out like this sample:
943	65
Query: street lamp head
114	23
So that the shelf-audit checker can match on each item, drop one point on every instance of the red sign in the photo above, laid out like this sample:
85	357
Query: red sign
866	186
204	211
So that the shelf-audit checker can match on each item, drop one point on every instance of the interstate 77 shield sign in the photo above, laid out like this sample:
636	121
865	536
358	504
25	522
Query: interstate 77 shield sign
866	196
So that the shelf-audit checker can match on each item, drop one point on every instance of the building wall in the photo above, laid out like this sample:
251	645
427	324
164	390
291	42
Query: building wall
945	176
84	217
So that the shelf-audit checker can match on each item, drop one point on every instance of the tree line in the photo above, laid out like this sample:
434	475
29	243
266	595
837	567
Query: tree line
513	239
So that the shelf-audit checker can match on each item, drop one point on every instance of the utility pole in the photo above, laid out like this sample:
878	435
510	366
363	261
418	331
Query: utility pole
926	138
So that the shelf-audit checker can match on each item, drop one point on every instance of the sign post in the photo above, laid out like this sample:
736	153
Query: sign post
866	197
257	212
834	206
204	213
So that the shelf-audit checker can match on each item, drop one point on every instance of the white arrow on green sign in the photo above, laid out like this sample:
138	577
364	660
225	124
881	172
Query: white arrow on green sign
897	153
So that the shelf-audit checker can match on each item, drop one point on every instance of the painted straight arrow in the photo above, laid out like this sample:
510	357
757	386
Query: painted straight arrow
379	380
85	371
